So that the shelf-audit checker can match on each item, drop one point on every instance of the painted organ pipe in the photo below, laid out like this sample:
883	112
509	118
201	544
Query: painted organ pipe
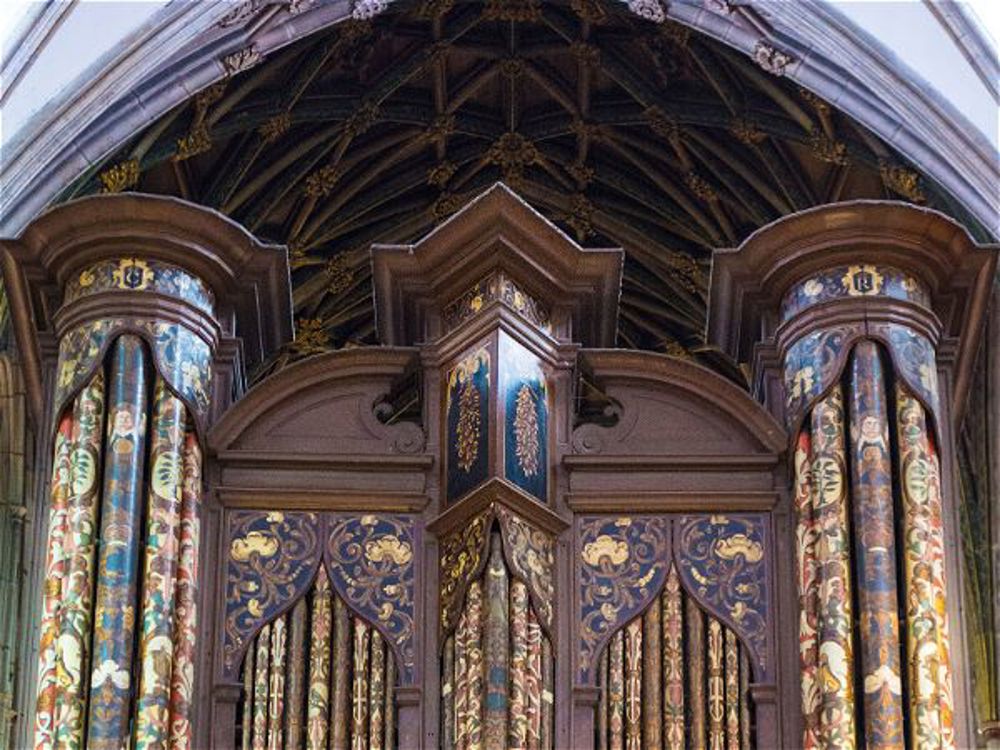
144	524
853	526
117	633
318	678
674	678
497	668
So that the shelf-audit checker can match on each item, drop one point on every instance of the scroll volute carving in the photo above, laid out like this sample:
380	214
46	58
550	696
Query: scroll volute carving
643	393
326	405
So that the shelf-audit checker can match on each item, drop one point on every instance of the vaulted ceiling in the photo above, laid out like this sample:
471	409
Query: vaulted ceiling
624	131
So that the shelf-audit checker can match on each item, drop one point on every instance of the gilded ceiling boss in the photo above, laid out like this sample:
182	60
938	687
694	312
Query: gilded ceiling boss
498	375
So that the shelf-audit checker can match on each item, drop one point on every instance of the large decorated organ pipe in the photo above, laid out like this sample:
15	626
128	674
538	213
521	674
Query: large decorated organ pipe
870	530
116	655
145	346
868	314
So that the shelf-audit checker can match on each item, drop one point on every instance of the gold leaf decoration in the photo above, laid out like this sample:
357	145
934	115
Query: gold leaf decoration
311	336
389	548
340	273
121	176
446	204
440	128
901	180
198	141
276	127
739	544
526	430
700	186
469	423
254	543
439	174
747	131
321	182
827	149
581	216
604	546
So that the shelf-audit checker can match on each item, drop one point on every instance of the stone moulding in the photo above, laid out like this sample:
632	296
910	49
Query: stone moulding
52	150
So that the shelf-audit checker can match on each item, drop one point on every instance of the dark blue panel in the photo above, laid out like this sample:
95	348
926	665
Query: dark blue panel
526	424
468	424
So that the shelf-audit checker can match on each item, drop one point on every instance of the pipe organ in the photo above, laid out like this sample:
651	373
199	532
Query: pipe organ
494	530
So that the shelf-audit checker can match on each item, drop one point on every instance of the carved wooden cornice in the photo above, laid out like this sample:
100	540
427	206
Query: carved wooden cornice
239	270
497	230
749	282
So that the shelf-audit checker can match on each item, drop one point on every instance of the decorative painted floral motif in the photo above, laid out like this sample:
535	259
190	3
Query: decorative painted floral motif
721	562
273	557
674	677
259	586
156	635
524	394
612	593
496	286
835	649
526	431
461	559
73	644
136	274
928	647
864	280
875	550
806	539
468	423
497	676
811	365
916	363
673	661
118	560
531	555
186	600
182	358
496	630
370	564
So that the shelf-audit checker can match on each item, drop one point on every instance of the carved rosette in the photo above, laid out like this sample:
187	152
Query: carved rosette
273	557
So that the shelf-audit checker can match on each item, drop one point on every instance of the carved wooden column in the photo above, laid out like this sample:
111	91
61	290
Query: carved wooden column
142	297
861	322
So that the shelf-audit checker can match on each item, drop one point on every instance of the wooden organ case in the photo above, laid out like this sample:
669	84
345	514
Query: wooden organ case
494	530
